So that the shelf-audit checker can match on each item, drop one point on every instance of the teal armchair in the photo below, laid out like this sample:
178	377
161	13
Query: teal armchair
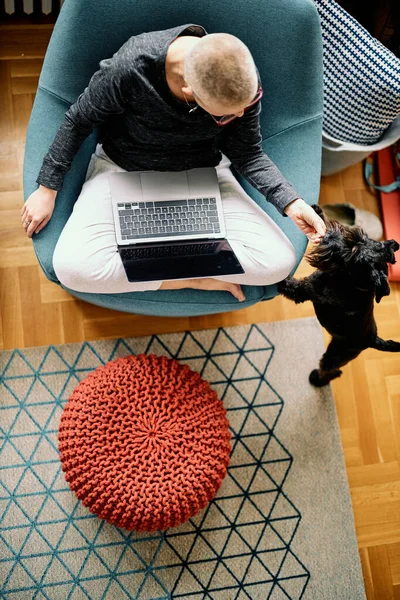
284	38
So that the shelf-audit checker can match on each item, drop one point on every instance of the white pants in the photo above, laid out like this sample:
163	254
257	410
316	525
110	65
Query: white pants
86	257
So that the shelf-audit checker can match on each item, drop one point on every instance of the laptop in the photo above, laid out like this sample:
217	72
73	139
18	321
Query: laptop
170	225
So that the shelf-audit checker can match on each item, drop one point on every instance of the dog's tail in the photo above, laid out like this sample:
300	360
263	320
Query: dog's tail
385	345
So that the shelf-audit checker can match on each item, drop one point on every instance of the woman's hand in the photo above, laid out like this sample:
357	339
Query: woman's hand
306	220
37	210
205	284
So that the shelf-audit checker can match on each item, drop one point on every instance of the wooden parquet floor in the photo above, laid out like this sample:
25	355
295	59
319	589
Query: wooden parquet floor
34	312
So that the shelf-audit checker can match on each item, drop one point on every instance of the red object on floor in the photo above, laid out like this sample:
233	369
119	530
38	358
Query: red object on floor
144	442
390	203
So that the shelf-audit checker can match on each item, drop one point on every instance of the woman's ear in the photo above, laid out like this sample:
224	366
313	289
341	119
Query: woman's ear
186	89
379	279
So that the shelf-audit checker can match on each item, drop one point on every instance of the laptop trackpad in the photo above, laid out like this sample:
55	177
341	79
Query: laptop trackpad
164	185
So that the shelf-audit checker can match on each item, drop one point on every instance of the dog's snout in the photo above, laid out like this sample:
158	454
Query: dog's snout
391	247
391	244
395	245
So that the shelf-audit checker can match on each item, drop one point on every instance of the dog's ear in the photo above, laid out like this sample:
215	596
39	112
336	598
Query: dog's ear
379	279
355	253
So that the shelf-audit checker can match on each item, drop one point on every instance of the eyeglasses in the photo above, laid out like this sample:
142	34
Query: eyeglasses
225	119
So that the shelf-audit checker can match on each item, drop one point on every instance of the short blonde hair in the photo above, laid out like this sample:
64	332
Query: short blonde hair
221	68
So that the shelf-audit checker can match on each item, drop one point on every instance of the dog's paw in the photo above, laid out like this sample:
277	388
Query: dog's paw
284	285
316	380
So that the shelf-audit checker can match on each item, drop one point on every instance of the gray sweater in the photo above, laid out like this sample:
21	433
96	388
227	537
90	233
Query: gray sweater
143	126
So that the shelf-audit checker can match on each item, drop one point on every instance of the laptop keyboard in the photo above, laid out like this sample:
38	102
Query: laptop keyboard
168	251
168	218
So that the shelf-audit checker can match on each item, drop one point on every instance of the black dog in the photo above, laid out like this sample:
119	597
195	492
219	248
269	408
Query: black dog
351	271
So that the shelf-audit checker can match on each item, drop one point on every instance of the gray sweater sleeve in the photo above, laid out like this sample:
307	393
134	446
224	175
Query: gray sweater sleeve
105	95
241	143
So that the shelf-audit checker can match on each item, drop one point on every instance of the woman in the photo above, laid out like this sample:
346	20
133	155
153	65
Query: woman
167	101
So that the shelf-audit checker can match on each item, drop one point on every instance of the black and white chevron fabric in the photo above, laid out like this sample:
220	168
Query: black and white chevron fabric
361	79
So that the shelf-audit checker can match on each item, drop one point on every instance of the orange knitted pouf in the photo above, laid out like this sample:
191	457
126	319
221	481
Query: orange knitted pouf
144	442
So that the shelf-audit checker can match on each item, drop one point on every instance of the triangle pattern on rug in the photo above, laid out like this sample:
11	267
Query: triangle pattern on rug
241	456
96	587
247	388
285	528
150	588
236	398
258	570
173	342
131	346
256	339
157	348
266	395
205	338
196	364
190	348
254	425
245	369
238	418
294	587
17	366
53	362
270	540
185	580
291	567
226	363
211	372
39	393
235	544
222	578
223	344
8	400
56	382
262	482
88	359
20	387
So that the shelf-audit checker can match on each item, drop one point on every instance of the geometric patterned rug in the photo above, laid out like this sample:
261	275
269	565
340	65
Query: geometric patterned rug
280	526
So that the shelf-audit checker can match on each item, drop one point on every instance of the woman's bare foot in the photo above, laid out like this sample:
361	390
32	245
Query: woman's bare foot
205	284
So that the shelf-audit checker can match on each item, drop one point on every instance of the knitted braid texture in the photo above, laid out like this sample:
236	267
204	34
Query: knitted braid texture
144	442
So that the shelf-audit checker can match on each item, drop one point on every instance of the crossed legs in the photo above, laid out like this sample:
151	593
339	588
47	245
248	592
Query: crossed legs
86	257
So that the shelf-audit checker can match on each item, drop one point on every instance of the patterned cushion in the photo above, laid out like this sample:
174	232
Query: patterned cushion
361	79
